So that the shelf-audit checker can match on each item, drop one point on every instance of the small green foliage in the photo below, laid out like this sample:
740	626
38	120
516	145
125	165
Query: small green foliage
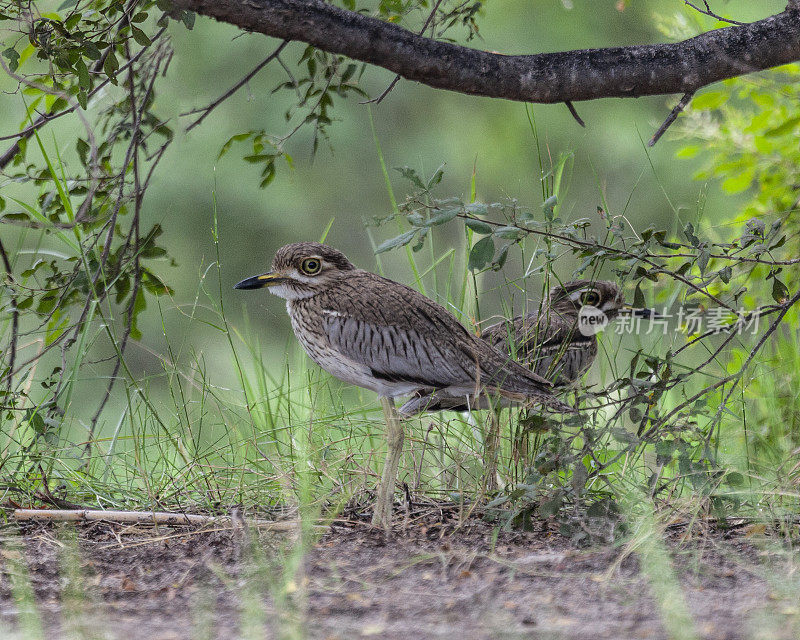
748	132
12	56
481	254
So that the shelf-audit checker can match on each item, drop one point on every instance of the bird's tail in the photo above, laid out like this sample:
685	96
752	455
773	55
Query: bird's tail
518	383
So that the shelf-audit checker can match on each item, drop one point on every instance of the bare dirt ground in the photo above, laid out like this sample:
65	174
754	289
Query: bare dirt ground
431	580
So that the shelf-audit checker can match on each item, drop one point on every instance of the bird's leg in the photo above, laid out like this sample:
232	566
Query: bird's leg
394	439
490	449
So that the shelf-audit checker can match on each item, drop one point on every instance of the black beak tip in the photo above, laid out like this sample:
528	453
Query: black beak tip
647	313
249	283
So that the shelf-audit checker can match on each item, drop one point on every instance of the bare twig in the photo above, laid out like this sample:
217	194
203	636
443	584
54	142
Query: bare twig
708	12
12	349
574	113
673	115
388	89
138	193
208	109
384	93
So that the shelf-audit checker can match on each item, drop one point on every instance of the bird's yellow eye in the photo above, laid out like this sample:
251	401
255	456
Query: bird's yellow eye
311	266
590	298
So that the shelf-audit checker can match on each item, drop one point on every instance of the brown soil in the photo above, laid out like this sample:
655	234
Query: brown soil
429	580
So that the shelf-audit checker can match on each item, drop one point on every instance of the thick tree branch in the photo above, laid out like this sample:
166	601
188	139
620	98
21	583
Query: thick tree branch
682	67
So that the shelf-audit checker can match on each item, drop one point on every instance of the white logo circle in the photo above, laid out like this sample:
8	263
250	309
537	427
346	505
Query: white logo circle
591	320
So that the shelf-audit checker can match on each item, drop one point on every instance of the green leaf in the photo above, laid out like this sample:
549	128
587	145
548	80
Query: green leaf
509	233
725	274
443	216
500	262
154	284
153	252
709	100
481	254
638	297
689	151
409	174
268	175
35	420
787	127
91	51
12	56
688	231
46	304
258	158
665	450
621	435
550	508
139	305
477	208
702	260
436	178
399	241
83	75
229	142
187	17
734	479
72	21
140	36
780	292
738	183
111	65
478	226
122	287
348	72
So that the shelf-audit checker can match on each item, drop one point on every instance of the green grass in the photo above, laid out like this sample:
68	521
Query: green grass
185	437
239	431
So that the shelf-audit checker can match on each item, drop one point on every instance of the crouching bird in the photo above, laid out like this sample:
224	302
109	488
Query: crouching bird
381	335
558	342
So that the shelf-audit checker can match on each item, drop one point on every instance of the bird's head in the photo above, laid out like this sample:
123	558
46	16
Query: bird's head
301	270
567	299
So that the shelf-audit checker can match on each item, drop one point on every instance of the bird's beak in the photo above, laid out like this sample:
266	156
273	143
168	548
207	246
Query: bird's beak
270	279
642	312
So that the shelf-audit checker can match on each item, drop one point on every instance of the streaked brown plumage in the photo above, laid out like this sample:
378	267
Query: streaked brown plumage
547	341
384	336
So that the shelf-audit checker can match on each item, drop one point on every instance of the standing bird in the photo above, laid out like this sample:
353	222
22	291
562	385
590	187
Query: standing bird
551	342
384	336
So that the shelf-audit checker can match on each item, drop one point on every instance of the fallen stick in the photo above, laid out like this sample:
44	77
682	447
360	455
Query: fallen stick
150	517
96	515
